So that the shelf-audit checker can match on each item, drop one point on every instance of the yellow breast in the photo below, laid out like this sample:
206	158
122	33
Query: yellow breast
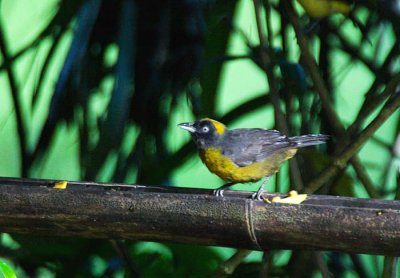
227	170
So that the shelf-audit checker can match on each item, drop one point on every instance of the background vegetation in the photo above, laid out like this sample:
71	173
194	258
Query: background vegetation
93	90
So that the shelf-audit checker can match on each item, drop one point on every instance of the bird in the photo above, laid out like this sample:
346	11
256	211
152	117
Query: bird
324	8
319	9
245	154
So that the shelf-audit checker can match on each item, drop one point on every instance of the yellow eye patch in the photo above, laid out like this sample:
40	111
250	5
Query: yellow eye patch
219	128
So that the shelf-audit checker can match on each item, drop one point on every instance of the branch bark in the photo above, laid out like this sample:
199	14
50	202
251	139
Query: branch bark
195	216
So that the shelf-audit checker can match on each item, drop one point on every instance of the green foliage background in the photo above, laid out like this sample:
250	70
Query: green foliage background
93	90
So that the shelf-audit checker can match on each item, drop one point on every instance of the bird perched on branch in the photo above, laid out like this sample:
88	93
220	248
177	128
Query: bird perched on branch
245	154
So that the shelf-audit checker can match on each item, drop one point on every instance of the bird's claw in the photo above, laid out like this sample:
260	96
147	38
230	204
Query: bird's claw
219	192
257	196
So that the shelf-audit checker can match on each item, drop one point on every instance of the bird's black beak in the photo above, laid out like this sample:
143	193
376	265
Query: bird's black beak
187	126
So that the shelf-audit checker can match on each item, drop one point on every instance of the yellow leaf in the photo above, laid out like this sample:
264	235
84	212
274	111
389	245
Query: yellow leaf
61	185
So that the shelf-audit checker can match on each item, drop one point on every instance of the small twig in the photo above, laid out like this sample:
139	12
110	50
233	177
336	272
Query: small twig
322	265
229	266
45	66
268	24
373	99
390	267
398	183
352	49
120	249
19	53
341	161
264	265
358	266
370	103
364	178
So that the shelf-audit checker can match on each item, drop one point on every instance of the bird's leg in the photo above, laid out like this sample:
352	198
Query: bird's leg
257	195
219	192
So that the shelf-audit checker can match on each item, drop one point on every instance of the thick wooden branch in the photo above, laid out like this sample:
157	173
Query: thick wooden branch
195	216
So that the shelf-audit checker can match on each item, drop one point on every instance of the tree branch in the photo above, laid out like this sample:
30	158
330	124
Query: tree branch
196	216
341	161
332	116
229	266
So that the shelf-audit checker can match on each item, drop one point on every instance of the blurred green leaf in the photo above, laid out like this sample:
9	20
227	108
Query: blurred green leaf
194	261
6	270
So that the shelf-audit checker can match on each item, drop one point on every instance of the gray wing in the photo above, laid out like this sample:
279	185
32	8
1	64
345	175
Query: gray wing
246	146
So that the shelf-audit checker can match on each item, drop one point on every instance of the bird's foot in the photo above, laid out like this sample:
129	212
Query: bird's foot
218	193
257	195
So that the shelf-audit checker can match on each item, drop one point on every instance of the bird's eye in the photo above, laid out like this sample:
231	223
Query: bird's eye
205	129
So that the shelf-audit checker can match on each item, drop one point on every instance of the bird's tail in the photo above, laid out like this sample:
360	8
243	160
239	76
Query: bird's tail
309	140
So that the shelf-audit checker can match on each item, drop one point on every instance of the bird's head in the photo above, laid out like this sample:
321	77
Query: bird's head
206	133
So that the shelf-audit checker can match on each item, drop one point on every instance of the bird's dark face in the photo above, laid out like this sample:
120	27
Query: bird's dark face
206	133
